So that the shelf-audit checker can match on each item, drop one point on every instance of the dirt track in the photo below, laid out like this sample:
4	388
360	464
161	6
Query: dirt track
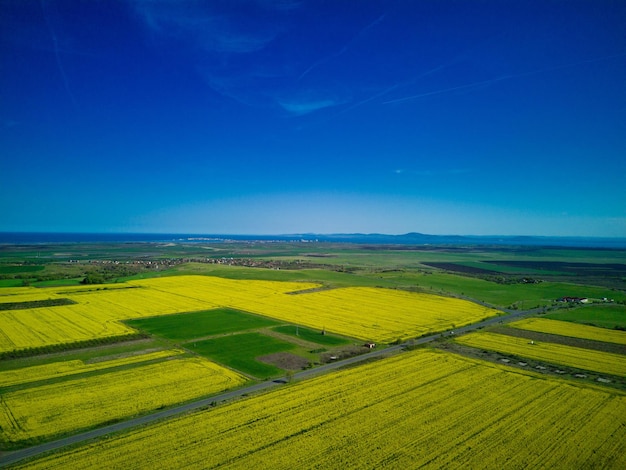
565	340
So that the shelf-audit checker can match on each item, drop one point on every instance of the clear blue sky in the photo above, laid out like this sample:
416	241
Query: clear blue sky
271	117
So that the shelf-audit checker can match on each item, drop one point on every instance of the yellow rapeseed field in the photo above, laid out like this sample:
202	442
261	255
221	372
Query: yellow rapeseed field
381	315
416	410
20	329
574	330
42	411
62	369
375	314
587	359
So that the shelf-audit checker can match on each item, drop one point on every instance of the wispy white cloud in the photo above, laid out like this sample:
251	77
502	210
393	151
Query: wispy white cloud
202	24
233	51
233	87
306	107
229	50
431	172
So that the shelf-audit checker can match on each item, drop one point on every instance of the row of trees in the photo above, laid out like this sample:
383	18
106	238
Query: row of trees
53	348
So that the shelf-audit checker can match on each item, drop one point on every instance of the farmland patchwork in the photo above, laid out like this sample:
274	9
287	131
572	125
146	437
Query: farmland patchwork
380	315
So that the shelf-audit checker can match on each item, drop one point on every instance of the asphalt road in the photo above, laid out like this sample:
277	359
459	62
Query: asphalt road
13	457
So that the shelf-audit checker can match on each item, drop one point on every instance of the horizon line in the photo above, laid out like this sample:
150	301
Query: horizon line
294	234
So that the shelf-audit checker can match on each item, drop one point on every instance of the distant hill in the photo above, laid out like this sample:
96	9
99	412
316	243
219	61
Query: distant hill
413	238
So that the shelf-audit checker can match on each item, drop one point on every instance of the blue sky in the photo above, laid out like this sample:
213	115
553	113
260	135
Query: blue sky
271	117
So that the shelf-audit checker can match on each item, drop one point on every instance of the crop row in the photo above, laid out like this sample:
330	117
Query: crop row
66	368
76	403
587	359
381	315
574	330
418	409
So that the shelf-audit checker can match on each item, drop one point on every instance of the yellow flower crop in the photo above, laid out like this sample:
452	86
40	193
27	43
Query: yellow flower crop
78	403
65	368
367	313
414	410
381	315
587	359
574	330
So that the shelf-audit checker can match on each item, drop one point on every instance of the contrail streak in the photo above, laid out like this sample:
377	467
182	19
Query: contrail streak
343	50
393	87
504	77
57	56
445	90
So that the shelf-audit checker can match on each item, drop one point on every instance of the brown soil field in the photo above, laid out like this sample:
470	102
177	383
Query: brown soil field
459	268
576	269
285	360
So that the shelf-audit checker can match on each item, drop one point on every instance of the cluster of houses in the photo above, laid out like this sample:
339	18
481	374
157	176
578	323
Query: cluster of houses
583	300
574	300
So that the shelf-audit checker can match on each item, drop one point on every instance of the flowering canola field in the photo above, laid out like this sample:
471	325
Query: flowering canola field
420	409
65	368
44	409
98	311
381	315
587	359
574	330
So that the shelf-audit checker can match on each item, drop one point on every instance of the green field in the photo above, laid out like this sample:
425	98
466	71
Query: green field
11	283
58	282
240	352
19	269
314	336
604	316
210	334
518	295
186	326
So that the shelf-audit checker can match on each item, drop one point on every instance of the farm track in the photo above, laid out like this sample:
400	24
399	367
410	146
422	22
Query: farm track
534	365
289	339
565	340
12	457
